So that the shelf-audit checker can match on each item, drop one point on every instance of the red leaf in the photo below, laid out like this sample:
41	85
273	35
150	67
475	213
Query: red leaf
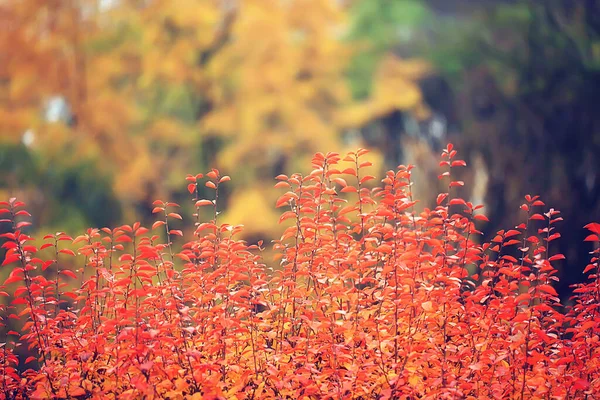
581	384
594	227
69	273
457	202
511	242
592	238
174	215
538	217
210	184
548	289
67	251
226	178
46	264
176	232
191	188
553	236
459	163
523	297
10	245
140	231
589	268
124	238
556	257
10	259
441	197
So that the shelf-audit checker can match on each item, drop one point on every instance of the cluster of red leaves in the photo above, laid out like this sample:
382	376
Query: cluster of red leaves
370	301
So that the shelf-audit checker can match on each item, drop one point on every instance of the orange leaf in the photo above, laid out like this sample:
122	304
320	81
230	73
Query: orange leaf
282	184
204	202
340	181
157	224
481	217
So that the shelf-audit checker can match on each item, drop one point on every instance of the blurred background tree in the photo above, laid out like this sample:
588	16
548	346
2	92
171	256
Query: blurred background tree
106	104
516	87
114	101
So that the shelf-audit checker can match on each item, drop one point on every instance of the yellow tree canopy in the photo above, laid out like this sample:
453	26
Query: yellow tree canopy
146	85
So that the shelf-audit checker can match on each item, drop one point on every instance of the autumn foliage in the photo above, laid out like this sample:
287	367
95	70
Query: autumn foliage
369	300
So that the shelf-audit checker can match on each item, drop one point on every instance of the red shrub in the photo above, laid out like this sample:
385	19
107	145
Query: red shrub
370	300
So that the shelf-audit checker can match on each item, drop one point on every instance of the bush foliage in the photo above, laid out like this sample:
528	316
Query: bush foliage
369	300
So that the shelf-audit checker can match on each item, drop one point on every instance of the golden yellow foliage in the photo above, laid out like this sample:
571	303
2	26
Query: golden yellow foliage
148	83
395	87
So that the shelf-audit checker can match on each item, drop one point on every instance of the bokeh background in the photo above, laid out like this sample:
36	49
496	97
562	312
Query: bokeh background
106	105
